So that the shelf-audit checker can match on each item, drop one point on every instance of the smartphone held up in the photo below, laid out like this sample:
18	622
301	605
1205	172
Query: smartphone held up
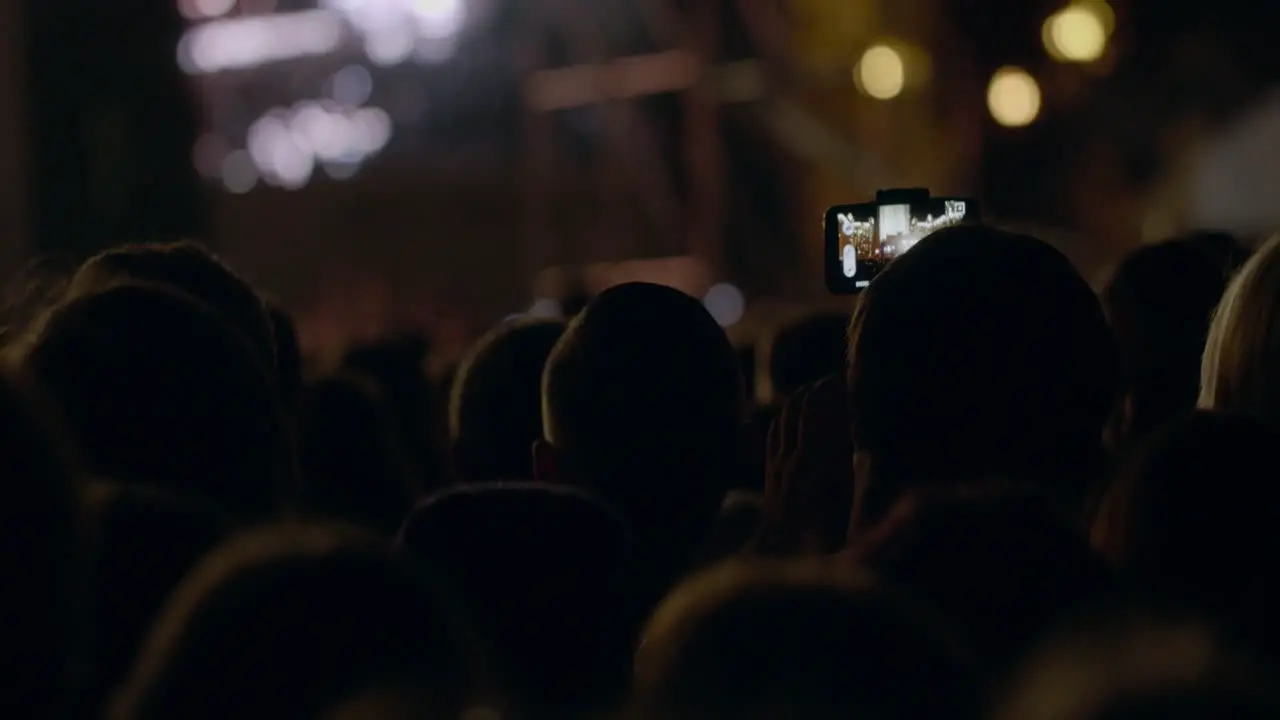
860	240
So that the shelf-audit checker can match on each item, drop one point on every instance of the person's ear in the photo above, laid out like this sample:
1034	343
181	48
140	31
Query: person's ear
544	462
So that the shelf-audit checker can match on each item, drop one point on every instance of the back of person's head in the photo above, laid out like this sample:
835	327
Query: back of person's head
1193	516
1140	664
190	268
774	640
808	350
289	376
353	464
1226	249
642	401
1001	562
398	365
1243	349
156	389
980	353
38	554
541	569
290	622
495	408
1159	304
142	542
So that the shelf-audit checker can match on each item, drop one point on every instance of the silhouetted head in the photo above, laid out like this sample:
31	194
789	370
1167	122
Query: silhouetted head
398	365
1226	249
288	357
807	351
977	354
189	268
642	402
1000	562
1140	665
1159	304
775	640
1193	517
143	541
353	464
541	569
1240	357
290	622
156	389
39	551
495	408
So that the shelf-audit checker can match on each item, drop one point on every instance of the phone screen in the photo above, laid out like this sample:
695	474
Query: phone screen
869	236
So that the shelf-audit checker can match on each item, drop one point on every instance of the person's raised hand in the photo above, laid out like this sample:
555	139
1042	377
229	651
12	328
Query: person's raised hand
809	473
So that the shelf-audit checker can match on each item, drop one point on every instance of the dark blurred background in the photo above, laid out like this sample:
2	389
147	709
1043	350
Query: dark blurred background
382	165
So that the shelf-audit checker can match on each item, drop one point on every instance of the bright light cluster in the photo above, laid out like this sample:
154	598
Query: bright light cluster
394	31
247	42
284	147
391	31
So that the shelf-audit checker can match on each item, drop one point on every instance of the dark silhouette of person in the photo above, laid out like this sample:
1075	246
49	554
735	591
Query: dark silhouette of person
190	268
1000	562
156	389
808	350
541	569
291	621
1159	304
495	407
39	555
1191	518
142	542
1225	248
398	365
643	405
1133	663
289	370
784	639
353	464
978	354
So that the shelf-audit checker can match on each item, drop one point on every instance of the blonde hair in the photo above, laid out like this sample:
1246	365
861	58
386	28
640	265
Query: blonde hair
1240	370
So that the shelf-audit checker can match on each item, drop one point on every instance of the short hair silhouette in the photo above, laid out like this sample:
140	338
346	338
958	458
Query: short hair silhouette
190	268
156	389
808	350
354	466
1238	370
773	640
1159	303
978	354
1226	249
39	554
642	393
1001	562
291	621
495	407
1192	517
142	542
542	570
398	365
289	372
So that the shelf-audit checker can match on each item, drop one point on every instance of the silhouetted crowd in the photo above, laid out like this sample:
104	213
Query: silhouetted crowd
989	493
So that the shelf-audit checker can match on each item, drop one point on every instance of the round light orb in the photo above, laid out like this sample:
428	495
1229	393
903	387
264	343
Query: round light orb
1013	97
881	73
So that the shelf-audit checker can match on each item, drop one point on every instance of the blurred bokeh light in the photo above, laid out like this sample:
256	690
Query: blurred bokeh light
881	73
1078	33
1013	97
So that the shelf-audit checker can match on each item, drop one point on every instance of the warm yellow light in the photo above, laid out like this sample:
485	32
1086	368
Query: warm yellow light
1078	33
881	72
1013	97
